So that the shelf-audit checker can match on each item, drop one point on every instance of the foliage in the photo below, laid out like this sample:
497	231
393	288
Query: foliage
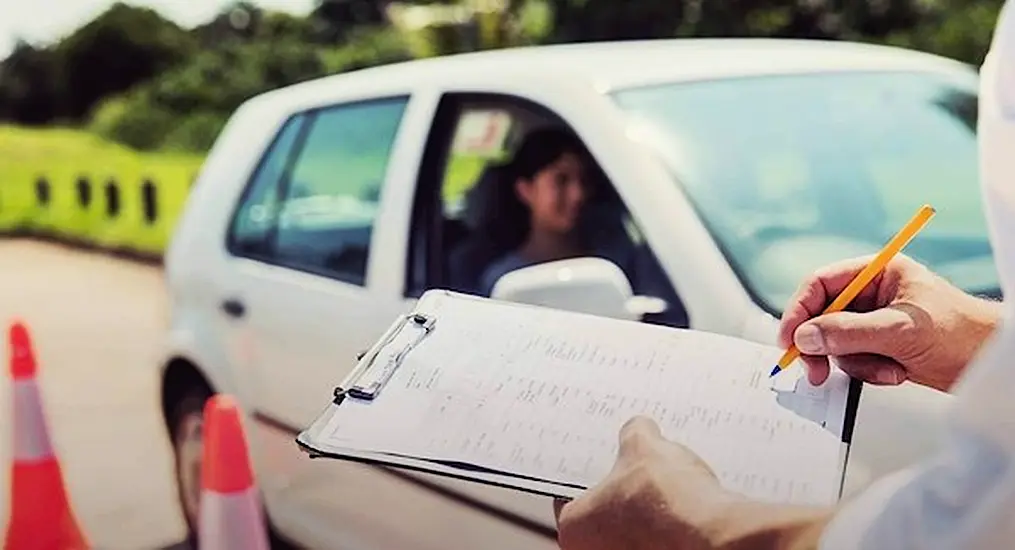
956	28
334	20
187	106
138	79
30	88
121	48
367	47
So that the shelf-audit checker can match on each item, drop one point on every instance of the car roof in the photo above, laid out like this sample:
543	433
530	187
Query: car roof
619	64
608	66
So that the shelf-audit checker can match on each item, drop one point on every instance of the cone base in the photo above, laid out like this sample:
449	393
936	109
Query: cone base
232	522
41	515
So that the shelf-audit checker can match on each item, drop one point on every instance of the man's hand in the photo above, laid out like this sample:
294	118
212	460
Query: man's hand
660	495
908	324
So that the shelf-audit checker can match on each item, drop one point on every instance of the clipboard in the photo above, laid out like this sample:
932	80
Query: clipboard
366	381
372	373
375	369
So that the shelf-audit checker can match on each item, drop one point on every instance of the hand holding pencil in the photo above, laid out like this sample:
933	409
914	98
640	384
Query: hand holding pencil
898	310
867	274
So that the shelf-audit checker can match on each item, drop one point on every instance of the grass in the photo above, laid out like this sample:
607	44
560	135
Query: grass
63	156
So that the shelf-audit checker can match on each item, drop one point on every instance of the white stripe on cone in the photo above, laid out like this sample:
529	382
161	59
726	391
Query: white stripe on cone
31	436
231	521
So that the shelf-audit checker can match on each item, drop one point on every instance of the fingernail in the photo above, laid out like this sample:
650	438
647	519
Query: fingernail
808	340
888	376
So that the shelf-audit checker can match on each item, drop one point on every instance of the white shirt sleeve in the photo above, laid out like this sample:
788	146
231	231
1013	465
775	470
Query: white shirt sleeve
963	498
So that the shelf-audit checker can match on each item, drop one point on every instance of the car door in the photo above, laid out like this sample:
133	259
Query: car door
320	278
302	291
302	286
472	131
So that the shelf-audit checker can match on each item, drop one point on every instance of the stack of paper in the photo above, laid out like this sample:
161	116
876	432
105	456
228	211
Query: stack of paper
533	399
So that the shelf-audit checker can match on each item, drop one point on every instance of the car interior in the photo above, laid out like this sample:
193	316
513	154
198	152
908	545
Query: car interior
466	238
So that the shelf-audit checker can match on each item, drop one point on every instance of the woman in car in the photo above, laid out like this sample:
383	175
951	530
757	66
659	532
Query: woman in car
547	179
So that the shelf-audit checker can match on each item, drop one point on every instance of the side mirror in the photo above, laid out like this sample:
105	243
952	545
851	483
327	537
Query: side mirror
585	285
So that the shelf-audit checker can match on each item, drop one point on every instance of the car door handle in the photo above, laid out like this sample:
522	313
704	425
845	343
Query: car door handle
234	308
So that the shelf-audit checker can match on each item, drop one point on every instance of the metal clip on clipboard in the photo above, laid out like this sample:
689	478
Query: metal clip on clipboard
377	366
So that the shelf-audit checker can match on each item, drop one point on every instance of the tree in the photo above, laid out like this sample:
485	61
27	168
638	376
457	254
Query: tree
960	29
334	20
595	20
239	21
121	48
30	85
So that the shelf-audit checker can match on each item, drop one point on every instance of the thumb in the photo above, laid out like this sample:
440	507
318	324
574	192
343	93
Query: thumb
558	507
637	438
846	333
873	369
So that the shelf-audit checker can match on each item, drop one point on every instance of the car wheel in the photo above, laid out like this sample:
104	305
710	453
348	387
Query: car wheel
186	429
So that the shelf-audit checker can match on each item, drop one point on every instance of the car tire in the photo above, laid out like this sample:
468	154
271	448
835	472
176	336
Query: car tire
185	425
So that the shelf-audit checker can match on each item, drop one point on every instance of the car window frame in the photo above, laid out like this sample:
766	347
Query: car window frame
282	186
424	221
248	186
426	252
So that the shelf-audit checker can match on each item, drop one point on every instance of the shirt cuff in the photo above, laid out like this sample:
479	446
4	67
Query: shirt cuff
850	525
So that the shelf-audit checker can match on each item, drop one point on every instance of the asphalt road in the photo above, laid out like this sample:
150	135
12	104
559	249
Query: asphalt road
96	323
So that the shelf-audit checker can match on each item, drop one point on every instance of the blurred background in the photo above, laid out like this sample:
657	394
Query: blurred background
107	111
136	92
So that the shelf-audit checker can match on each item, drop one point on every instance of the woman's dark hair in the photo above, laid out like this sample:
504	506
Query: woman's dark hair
538	150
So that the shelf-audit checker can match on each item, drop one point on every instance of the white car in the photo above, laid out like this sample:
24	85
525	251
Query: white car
730	169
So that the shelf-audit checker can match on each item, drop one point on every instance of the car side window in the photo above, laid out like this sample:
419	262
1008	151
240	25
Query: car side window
254	220
333	195
316	211
470	226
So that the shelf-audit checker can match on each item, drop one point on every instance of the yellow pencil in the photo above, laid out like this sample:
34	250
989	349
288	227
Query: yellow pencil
862	279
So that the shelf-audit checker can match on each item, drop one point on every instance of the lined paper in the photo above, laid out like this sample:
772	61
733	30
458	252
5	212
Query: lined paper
543	394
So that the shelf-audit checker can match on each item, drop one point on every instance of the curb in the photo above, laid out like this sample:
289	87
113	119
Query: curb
121	253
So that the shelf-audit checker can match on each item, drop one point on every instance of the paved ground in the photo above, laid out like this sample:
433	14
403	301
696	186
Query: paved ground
95	323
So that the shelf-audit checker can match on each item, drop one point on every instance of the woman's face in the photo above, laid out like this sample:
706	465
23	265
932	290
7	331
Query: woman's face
555	195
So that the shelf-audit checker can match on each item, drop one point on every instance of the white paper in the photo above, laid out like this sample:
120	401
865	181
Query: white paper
543	394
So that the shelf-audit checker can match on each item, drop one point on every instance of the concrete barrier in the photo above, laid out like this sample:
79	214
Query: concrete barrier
126	214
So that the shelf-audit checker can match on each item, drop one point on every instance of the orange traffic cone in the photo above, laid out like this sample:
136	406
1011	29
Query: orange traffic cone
41	515
230	517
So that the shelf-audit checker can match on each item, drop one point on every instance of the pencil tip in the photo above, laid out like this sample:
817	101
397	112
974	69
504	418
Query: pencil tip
774	372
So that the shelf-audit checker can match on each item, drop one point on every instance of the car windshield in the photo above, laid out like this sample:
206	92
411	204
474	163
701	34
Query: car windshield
793	172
